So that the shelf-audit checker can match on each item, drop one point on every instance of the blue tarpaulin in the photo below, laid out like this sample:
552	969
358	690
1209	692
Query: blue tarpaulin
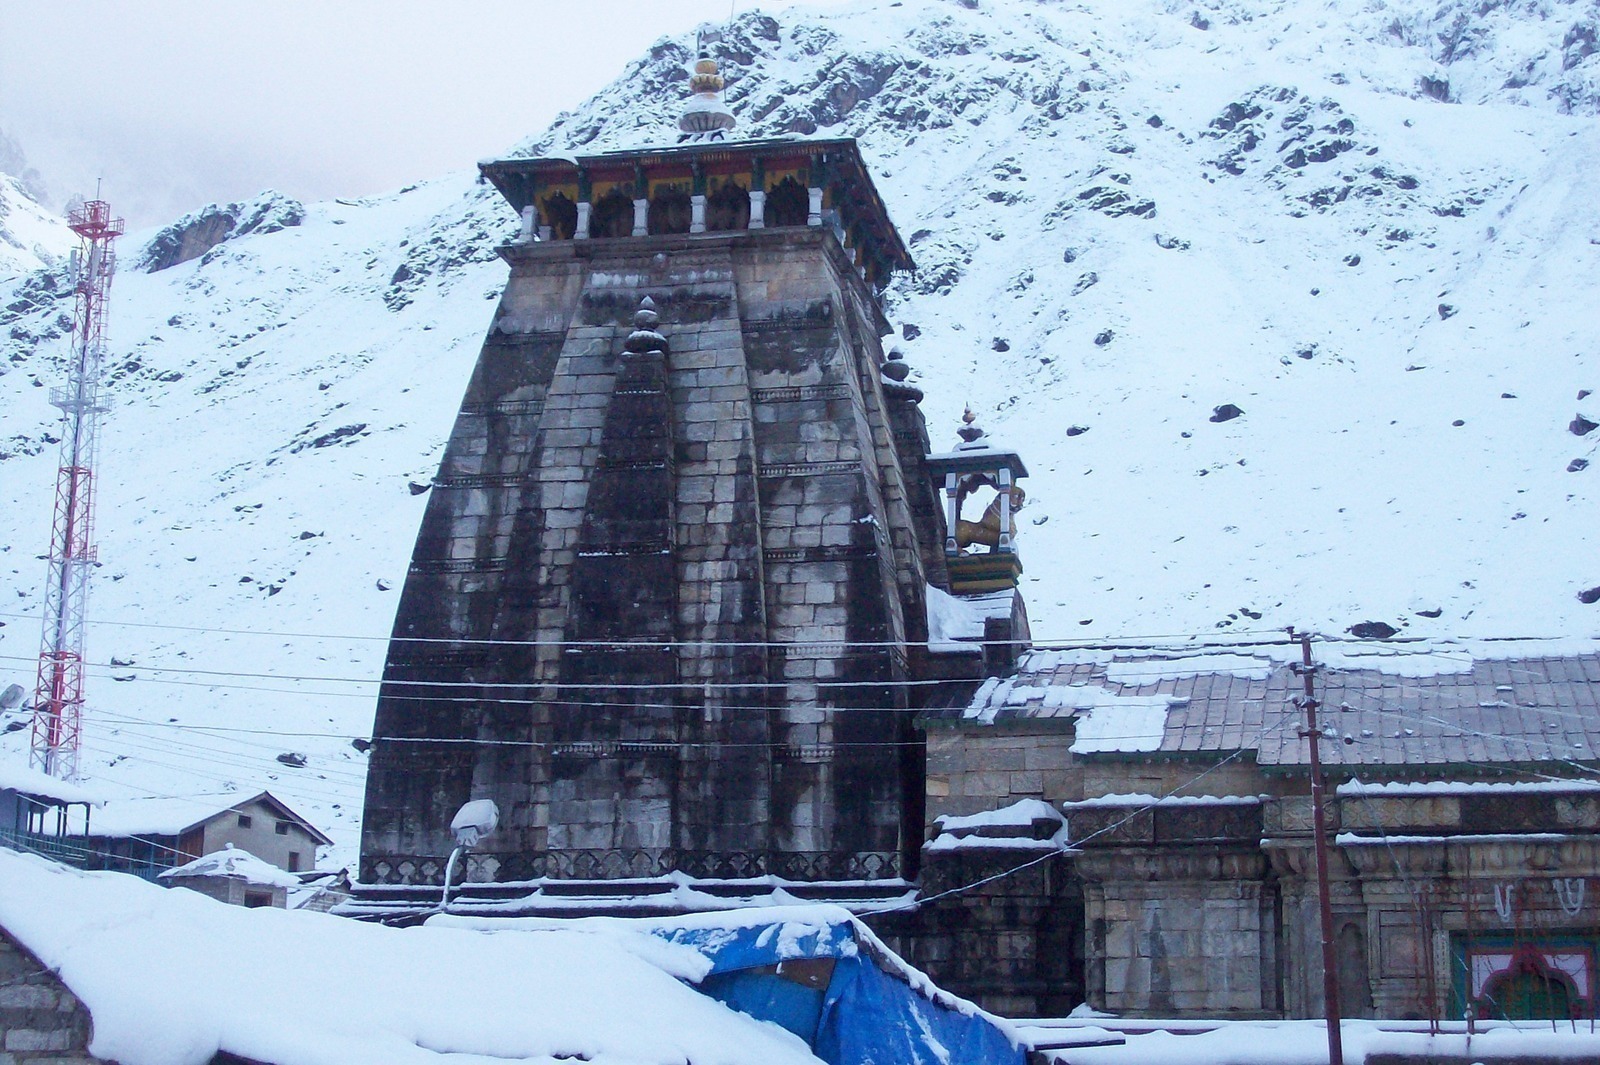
834	985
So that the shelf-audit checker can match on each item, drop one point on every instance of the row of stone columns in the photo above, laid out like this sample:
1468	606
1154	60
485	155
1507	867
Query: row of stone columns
641	215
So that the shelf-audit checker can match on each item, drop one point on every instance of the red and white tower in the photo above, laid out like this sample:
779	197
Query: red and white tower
58	697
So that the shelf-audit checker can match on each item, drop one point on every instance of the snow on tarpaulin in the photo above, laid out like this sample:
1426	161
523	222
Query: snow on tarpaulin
871	1008
867	1006
172	977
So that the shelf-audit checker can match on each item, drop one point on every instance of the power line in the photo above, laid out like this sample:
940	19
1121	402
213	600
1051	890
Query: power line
1208	639
690	684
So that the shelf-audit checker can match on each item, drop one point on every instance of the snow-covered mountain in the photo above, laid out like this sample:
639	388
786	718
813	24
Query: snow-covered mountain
31	235
1291	305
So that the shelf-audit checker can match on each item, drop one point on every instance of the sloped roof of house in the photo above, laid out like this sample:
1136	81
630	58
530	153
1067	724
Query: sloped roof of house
288	987
1390	705
173	816
26	780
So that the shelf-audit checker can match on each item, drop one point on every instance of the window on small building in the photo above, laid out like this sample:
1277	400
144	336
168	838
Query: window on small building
283	828
294	861
255	900
244	820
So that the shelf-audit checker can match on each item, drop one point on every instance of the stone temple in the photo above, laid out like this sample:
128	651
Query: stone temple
667	606
702	612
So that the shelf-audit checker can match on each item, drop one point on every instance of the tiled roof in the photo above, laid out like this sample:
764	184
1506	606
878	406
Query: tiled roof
1459	711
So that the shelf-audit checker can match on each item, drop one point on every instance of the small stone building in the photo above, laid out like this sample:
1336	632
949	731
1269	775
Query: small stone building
148	836
1464	813
236	877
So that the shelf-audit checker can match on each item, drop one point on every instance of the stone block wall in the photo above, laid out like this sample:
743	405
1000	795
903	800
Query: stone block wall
740	679
987	768
41	1021
1180	912
1179	934
1011	945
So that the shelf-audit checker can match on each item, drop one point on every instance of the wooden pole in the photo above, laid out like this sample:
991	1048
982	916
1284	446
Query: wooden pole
1330	973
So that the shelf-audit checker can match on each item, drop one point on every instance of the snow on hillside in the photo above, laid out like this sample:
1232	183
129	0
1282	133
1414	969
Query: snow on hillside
31	235
1291	307
274	399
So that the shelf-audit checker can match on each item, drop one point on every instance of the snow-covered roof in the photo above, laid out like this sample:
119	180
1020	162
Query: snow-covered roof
175	815
36	785
1388	705
297	988
1020	814
235	864
955	623
1010	827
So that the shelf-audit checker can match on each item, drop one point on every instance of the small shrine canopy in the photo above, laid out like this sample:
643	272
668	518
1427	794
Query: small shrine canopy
721	186
984	458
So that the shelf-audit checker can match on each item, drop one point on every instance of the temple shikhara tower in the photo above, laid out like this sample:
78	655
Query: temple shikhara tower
667	609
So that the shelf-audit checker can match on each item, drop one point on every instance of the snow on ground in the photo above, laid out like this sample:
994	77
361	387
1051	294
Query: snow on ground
299	988
1306	1043
1289	306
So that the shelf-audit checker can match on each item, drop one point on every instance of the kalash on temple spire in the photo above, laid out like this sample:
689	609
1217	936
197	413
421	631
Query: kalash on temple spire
667	609
706	116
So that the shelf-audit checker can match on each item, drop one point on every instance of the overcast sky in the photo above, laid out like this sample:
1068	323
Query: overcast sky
178	103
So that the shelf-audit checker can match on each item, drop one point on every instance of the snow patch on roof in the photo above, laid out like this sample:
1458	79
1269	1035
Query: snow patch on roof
1119	722
1014	843
231	862
1106	721
1022	813
1135	798
1396	661
1404	789
166	816
29	781
955	623
1153	670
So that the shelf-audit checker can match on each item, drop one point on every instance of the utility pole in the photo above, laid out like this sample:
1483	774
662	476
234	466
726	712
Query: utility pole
1319	821
58	696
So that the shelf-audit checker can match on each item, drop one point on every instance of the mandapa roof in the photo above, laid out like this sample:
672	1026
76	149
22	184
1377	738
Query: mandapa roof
25	780
175	815
287	987
1399	707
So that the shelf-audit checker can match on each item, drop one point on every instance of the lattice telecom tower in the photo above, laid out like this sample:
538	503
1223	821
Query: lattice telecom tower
58	698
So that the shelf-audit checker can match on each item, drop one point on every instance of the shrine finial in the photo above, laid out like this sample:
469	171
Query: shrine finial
706	116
